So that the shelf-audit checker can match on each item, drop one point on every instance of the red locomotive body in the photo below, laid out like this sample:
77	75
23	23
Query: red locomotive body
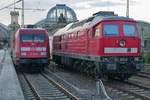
109	46
31	48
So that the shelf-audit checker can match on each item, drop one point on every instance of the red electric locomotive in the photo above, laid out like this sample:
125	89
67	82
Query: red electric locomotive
104	45
30	49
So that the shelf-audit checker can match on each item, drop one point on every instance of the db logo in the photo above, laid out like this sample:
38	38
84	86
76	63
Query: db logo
122	43
32	48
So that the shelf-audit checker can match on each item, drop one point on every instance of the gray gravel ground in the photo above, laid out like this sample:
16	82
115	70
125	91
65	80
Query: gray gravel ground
147	68
86	86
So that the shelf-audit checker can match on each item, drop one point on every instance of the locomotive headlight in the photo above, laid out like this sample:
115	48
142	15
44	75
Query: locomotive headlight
105	59
123	59
25	48
138	59
43	53
122	43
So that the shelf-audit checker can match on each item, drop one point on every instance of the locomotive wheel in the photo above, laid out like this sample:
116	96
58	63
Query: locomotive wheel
83	67
76	65
92	69
123	77
42	69
86	67
96	73
88	70
109	77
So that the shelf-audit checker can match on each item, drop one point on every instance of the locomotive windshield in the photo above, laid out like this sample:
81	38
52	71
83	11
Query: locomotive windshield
39	37
111	30
129	30
33	38
26	37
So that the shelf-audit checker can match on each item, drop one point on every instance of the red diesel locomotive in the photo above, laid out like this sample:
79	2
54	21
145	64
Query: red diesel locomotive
30	49
104	45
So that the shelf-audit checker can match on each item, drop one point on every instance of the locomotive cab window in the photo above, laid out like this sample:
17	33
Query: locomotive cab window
33	38
39	38
111	30
26	37
129	30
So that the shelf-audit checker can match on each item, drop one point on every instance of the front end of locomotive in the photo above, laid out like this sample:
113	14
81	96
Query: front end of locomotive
121	52
33	50
121	67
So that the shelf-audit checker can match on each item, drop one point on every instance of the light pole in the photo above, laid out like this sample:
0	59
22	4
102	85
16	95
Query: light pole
22	17
127	10
14	4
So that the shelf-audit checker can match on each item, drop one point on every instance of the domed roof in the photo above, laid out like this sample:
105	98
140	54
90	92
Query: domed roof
57	13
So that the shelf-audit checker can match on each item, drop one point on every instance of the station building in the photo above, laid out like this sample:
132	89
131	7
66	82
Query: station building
57	17
145	34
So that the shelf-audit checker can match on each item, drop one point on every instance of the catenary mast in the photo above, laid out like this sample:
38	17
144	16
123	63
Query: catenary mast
127	10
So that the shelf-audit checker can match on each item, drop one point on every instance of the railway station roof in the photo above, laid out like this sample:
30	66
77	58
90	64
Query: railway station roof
3	32
144	29
61	9
59	13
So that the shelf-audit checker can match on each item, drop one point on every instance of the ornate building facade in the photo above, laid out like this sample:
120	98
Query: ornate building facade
57	17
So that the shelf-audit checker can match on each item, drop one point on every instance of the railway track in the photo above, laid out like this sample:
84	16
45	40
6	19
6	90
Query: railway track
131	88
138	85
28	94
3	57
123	95
2	60
144	75
40	87
139	90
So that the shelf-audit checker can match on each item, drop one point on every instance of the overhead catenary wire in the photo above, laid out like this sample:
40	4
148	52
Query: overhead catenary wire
9	5
18	8
22	8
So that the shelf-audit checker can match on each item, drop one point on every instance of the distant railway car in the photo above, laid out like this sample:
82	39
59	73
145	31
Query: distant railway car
30	49
102	45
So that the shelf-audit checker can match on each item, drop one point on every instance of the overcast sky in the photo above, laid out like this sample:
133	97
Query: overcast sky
139	9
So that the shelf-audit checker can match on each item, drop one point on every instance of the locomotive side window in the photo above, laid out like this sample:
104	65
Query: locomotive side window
111	30
78	34
97	32
129	30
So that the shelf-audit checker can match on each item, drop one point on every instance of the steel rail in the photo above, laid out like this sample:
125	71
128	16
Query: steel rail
144	75
3	58
32	88
131	90
67	93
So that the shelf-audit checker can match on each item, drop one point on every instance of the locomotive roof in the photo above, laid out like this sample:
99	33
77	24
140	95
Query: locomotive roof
88	23
24	29
63	30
